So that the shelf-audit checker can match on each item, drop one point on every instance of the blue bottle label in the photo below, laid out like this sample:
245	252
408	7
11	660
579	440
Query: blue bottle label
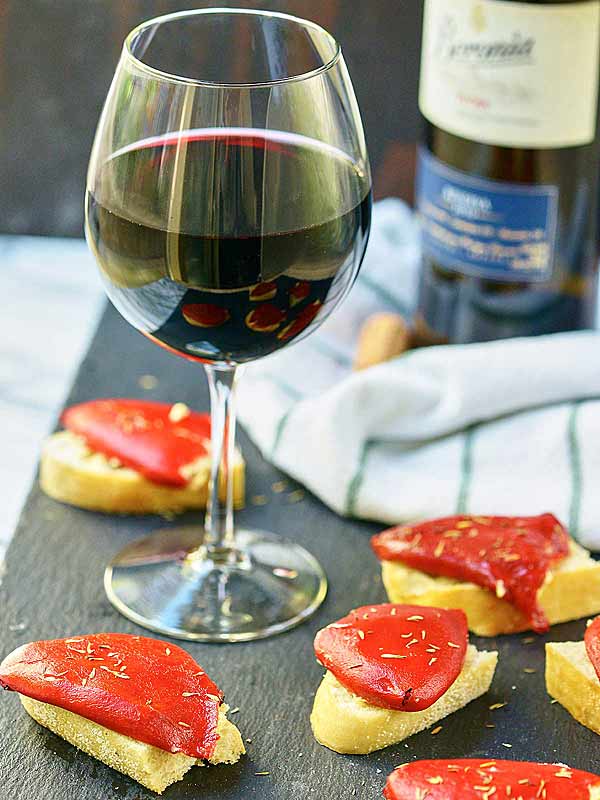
486	228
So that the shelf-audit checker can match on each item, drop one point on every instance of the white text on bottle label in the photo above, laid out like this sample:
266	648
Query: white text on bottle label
489	229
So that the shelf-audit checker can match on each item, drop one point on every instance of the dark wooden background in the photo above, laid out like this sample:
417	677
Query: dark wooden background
56	62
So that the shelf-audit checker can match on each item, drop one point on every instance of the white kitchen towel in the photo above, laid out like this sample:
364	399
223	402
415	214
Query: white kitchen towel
507	427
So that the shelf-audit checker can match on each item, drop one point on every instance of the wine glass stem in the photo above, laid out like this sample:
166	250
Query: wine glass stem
219	537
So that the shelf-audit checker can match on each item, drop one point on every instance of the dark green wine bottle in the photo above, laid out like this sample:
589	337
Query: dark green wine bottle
507	179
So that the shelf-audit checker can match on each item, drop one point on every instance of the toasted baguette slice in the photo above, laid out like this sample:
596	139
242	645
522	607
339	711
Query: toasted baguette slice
571	679
71	473
571	591
152	767
346	723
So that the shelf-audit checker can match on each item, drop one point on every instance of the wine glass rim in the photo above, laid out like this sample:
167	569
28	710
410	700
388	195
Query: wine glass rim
173	78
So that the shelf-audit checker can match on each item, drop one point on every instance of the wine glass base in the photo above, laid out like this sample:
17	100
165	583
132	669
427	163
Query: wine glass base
164	583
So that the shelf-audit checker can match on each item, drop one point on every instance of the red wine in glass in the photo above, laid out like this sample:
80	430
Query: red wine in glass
228	289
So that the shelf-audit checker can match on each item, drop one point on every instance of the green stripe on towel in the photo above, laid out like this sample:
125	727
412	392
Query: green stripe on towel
283	420
383	294
357	479
466	470
286	388
331	352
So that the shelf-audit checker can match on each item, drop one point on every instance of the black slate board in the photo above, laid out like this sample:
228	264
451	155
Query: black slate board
53	587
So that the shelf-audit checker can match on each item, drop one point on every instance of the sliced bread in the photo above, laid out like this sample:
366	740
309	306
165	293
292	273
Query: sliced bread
72	473
346	723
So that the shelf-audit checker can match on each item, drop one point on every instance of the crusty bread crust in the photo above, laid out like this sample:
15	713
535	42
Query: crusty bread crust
571	591
346	723
71	473
572	680
152	767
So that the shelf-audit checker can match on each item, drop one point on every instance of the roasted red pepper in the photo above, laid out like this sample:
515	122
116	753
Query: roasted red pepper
395	656
488	779
301	321
263	291
152	438
265	318
299	292
510	556
592	644
205	315
144	688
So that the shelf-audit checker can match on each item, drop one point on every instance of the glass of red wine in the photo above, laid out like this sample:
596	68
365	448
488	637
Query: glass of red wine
228	207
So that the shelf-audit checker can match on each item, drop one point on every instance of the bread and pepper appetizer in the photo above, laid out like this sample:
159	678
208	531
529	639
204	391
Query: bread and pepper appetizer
392	671
573	676
508	574
132	457
140	705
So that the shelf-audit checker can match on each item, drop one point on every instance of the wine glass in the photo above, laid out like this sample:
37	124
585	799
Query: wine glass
228	207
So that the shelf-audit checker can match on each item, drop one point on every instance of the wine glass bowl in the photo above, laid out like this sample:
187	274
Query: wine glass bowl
237	288
228	207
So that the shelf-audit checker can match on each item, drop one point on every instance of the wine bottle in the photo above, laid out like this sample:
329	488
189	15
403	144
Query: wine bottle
507	177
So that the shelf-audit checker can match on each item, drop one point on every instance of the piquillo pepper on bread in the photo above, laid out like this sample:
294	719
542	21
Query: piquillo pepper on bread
141	705
573	676
299	292
507	573
265	318
394	670
205	315
263	291
125	455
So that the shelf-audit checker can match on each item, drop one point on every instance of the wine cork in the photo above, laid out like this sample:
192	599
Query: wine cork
383	336
423	334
